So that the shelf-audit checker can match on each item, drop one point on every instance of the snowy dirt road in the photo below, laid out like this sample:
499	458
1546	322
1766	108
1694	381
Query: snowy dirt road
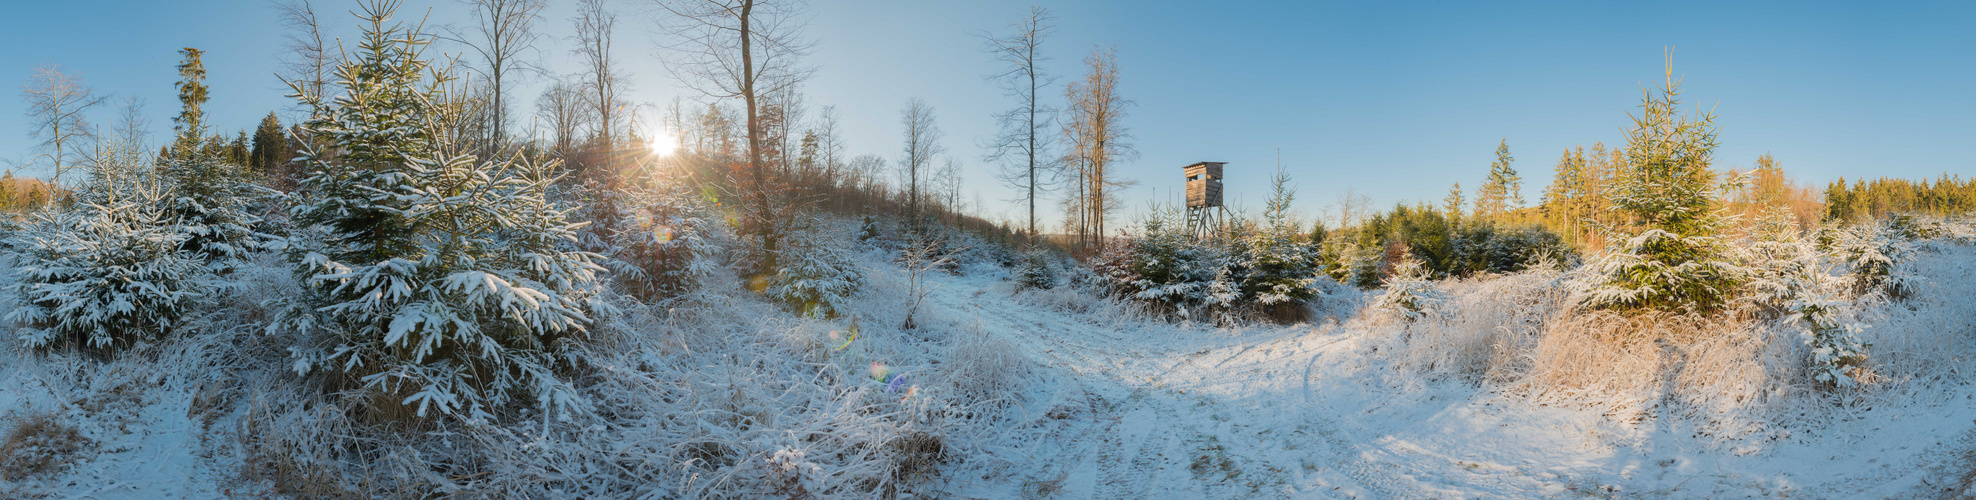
1303	412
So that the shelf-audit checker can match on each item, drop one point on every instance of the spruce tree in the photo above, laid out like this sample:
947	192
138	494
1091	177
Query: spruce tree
1562	200
207	184
1672	258
1503	190
1453	203
438	282
270	148
190	124
1280	274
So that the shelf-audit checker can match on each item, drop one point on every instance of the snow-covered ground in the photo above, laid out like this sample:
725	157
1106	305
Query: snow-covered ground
1313	412
1118	406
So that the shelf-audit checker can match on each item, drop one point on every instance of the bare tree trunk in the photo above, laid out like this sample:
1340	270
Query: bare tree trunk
595	25
308	60
1022	127
1095	110
922	144
707	36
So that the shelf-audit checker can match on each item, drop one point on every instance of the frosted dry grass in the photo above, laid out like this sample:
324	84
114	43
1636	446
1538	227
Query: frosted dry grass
725	397
1735	378
1088	305
1930	336
1481	330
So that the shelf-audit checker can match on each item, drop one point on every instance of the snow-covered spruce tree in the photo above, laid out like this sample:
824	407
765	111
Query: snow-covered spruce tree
659	240
111	270
818	278
1281	273
1358	264
1876	256
209	192
1410	293
1672	259
1166	269
1036	270
1789	276
436	281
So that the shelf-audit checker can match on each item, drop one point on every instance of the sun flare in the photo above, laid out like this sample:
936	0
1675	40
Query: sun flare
664	144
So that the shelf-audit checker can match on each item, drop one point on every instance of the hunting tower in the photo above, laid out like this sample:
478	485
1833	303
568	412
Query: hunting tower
1204	210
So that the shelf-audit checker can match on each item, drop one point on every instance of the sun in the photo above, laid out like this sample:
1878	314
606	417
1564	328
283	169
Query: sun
663	144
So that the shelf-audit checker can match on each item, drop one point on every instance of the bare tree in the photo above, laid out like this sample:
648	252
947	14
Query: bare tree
744	49
948	181
1353	207
561	108
790	110
830	143
1099	139
132	127
1024	137
502	31
308	59
56	103
922	145
867	172
595	26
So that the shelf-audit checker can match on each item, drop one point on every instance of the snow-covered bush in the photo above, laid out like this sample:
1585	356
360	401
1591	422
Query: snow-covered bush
434	281
1788	275
1167	269
1409	295
1358	265
1037	270
102	277
1275	271
661	243
1876	257
818	276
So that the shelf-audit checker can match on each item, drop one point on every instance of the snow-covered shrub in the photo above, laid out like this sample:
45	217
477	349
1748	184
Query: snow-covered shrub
1838	356
1036	270
1876	257
1785	274
209	201
1276	271
818	276
984	369
101	276
868	229
435	281
661	243
1410	295
1167	269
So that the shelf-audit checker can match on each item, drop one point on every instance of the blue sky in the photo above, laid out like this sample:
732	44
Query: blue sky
1395	101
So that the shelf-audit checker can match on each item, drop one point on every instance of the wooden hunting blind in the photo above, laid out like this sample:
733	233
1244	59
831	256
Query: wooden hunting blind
1204	208
1204	184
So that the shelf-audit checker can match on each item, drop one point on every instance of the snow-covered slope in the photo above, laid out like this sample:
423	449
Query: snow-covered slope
1316	412
1036	394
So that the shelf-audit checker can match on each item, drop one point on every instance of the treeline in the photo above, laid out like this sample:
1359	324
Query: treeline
1879	198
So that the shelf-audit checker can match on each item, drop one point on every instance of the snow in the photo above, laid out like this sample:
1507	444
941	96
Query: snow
1105	403
1305	412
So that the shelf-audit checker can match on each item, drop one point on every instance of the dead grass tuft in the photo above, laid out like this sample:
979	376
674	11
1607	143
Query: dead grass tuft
38	443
